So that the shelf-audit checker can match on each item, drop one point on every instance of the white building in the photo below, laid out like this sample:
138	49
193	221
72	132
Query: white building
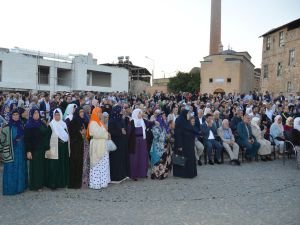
22	69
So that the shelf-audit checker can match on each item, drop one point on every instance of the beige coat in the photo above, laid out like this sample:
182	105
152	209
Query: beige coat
97	144
265	145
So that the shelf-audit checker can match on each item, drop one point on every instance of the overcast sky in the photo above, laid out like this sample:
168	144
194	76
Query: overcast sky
174	33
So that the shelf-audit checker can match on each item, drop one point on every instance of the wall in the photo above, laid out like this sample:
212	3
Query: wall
290	73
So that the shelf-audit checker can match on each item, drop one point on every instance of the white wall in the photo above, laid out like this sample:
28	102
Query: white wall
20	71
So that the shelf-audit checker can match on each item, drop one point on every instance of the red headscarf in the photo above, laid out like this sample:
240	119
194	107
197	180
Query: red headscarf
94	117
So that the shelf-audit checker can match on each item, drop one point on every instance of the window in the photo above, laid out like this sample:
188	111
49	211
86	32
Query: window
43	74
281	39
266	71
210	80
268	43
98	78
228	80
289	86
292	57
0	71
279	69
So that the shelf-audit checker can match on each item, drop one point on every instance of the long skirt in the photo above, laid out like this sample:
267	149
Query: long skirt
37	170
86	165
15	173
100	173
57	170
139	159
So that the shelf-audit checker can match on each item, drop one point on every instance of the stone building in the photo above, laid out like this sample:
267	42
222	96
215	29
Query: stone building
224	71
228	71
281	59
256	80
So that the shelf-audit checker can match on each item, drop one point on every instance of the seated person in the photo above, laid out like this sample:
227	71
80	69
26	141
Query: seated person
209	138
228	141
276	130
246	138
265	148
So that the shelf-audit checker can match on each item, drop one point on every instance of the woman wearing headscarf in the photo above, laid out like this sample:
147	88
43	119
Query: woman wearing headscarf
86	150
276	130
36	143
265	148
105	118
288	124
138	156
77	131
119	158
185	145
99	156
57	157
15	166
160	151
6	112
68	116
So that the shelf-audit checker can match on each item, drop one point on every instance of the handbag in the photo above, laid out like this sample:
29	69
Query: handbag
110	145
178	160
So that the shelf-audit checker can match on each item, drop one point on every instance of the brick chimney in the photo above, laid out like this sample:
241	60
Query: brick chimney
215	27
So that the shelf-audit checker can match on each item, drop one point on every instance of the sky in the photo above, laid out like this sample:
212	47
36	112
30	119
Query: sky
174	34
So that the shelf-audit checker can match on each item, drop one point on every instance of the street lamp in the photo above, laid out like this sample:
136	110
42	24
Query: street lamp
152	76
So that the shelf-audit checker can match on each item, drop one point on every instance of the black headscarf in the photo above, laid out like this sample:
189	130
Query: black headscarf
82	121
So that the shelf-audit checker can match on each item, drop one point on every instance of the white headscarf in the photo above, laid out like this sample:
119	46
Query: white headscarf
139	122
254	122
59	127
70	111
276	122
297	123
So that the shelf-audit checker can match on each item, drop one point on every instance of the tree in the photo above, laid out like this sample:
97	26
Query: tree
186	82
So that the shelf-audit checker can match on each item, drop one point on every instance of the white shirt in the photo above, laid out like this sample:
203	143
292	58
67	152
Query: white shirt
211	135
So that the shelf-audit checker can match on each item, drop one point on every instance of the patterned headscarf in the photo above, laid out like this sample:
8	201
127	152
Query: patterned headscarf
162	123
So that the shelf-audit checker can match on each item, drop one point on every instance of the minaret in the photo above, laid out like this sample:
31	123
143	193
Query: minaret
215	27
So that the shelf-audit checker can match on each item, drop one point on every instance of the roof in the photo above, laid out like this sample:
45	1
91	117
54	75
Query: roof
290	26
132	68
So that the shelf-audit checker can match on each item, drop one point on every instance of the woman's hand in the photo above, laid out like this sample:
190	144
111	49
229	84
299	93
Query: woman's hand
29	155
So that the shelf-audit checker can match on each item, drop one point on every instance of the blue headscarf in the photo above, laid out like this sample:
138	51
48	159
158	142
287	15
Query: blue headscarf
32	123
18	124
162	123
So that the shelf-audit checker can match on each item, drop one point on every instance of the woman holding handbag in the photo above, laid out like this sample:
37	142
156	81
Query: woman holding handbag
184	147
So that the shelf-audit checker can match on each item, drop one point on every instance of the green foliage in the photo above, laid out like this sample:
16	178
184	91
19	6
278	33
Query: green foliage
186	82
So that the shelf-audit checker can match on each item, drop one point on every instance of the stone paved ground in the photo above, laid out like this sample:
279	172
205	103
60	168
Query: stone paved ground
253	194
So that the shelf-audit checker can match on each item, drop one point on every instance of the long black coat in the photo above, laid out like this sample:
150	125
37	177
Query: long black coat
119	166
185	139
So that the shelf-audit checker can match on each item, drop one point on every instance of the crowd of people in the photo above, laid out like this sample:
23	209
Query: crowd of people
65	139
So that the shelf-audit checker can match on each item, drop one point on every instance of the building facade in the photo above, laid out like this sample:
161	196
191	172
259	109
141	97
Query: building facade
227	72
256	80
281	59
22	69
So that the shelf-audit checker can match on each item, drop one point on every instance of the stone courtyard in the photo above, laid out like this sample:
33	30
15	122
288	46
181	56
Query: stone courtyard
255	193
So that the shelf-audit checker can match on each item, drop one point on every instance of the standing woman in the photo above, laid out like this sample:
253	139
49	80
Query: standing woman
15	166
68	116
119	158
99	157
138	145
57	157
185	145
36	143
161	151
86	150
77	132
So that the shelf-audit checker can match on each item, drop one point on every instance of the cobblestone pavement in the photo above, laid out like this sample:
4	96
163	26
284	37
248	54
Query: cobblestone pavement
255	193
